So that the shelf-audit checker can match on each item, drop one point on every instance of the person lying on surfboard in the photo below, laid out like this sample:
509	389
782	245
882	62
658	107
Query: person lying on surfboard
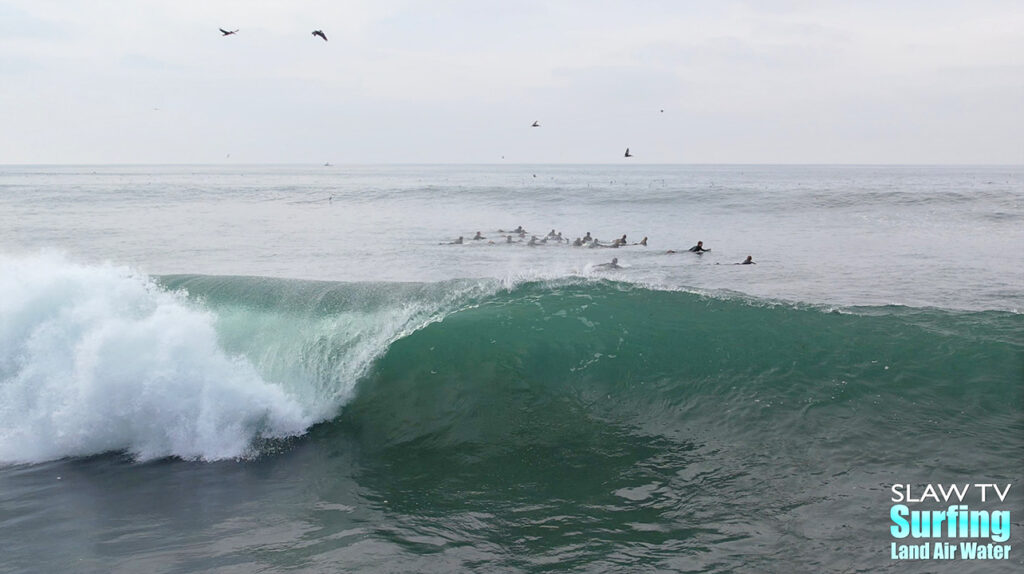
698	249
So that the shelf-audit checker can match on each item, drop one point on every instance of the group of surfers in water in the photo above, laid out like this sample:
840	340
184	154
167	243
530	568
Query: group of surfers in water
585	241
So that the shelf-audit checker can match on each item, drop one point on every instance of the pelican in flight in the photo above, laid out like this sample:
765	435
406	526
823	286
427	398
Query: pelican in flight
320	33
627	153
535	125
227	32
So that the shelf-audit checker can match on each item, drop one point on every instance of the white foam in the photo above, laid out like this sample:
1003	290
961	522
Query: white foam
98	358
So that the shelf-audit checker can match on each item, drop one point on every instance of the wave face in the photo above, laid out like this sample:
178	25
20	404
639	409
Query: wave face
99	358
540	364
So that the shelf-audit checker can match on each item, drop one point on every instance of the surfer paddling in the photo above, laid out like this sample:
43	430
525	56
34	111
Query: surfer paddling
698	249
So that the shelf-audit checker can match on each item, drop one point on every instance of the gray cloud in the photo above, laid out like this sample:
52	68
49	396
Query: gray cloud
460	81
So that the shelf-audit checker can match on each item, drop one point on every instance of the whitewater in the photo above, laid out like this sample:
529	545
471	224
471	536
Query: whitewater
312	338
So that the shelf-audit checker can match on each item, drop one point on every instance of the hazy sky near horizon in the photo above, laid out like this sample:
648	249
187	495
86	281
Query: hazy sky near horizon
452	81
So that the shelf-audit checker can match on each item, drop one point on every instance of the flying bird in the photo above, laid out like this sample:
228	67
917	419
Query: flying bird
320	33
227	32
628	154
535	125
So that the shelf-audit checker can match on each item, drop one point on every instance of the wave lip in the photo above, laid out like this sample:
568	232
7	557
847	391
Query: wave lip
98	358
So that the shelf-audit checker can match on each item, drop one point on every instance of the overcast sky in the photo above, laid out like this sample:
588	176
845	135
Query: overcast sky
148	81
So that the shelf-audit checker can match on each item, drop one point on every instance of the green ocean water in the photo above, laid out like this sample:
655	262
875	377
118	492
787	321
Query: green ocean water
572	422
567	425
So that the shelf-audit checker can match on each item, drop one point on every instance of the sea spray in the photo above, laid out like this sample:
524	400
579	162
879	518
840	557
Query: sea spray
317	339
98	358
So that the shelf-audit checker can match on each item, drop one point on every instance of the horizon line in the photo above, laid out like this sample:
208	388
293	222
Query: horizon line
502	163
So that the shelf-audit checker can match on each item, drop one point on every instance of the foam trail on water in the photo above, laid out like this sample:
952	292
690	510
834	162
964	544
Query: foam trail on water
99	358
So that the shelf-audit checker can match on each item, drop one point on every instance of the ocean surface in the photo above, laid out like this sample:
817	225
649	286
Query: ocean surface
293	368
